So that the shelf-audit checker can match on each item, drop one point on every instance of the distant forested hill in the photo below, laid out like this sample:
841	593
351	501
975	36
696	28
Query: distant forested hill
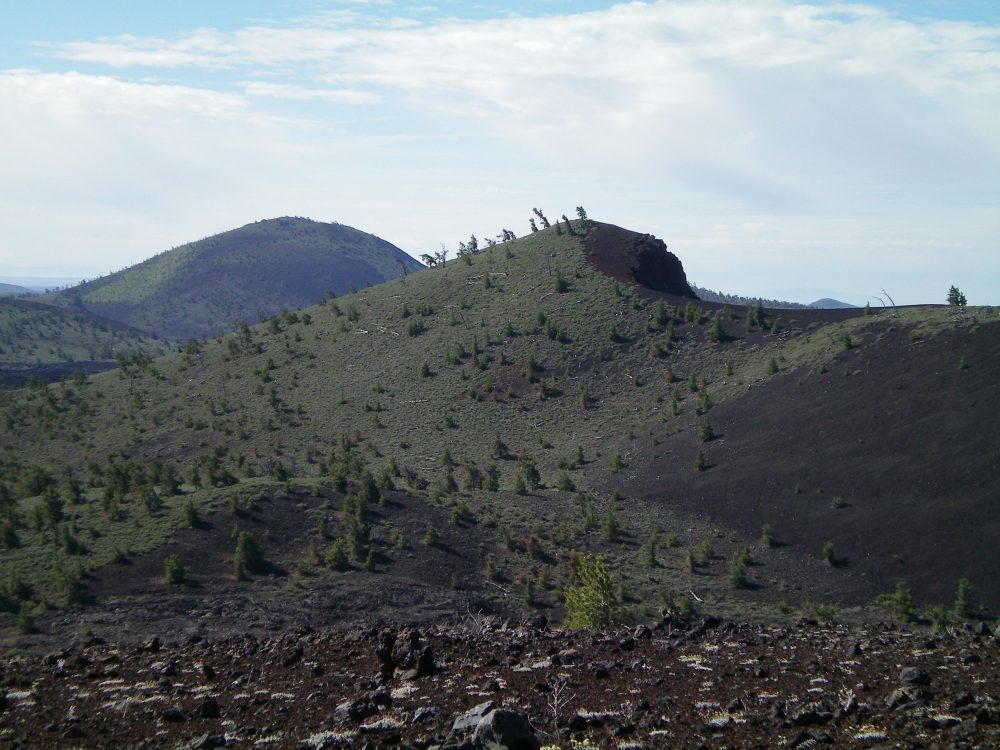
247	274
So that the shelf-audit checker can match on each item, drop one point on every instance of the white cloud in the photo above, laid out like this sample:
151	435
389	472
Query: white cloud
302	93
782	122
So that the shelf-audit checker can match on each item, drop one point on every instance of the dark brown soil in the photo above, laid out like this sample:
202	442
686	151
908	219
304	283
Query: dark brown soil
705	684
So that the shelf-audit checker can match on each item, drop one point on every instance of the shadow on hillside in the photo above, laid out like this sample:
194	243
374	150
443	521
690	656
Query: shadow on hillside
444	547
267	568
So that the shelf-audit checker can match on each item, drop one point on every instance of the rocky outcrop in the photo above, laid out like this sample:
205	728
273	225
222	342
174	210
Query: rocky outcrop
636	259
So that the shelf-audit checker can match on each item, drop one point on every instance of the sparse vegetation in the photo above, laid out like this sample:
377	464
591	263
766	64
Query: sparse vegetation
506	424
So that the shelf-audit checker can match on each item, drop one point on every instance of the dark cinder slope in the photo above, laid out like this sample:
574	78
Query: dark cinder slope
887	450
202	288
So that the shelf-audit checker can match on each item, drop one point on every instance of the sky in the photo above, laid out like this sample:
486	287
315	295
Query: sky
788	150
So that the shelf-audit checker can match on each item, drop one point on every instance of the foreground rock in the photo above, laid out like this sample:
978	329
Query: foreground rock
710	684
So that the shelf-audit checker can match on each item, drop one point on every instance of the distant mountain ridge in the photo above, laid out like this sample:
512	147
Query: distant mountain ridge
6	289
203	288
831	304
709	295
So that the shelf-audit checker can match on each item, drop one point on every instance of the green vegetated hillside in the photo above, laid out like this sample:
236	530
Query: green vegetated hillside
460	437
8	289
247	274
39	341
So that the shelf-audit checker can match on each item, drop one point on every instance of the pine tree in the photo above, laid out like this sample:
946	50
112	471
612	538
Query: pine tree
593	603
715	333
963	599
173	570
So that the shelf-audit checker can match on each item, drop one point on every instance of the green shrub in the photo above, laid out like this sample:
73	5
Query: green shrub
940	618
715	332
669	336
766	537
529	471
660	315
738	576
368	490
529	592
8	535
68	582
430	535
280	473
743	556
828	557
616	462
706	552
191	517
963	599
651	550
593	603
562	285
25	621
609	527
705	431
704	403
821	612
249	555
173	570
336	556
899	602
565	484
